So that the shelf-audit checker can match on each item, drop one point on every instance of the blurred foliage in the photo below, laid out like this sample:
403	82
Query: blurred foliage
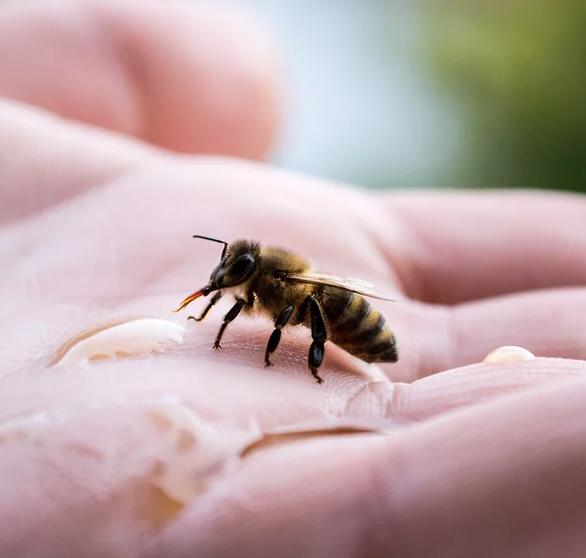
516	71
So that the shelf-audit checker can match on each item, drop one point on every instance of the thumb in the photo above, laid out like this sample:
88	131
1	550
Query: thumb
184	76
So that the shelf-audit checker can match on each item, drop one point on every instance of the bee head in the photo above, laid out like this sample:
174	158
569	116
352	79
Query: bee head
237	265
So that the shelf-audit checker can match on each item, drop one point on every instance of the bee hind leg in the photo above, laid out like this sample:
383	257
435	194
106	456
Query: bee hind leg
231	315
217	296
319	334
275	337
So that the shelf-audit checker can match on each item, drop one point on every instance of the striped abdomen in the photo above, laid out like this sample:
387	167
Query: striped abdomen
355	326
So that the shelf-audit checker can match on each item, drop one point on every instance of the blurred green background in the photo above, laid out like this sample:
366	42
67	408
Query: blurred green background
454	94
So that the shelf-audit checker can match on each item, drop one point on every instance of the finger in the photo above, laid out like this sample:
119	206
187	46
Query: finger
450	487
460	387
464	246
190	77
45	162
548	323
517	461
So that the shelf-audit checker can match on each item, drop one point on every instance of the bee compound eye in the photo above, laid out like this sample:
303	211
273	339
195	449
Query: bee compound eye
242	266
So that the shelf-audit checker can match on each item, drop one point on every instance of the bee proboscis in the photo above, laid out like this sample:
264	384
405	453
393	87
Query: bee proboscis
282	285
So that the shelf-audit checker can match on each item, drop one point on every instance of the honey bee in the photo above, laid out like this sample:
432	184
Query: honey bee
282	286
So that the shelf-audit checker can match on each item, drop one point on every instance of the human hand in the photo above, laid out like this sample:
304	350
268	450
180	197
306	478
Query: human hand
94	227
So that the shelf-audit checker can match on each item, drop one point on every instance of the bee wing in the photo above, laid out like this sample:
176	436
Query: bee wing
357	286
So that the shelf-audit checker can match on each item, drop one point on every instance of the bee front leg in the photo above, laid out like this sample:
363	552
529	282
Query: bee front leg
275	337
217	296
231	315
319	334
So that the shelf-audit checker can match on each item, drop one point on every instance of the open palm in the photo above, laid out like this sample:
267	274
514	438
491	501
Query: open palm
96	227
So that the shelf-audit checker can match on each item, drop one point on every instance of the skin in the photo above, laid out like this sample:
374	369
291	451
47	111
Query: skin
487	460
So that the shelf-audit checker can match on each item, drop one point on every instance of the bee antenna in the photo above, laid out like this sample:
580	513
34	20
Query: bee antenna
214	240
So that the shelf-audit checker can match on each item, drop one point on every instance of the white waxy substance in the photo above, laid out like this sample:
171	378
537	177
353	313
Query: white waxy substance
30	428
196	452
509	354
186	455
183	457
130	338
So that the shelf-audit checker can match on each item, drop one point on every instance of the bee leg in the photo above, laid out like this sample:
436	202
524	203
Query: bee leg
275	337
231	315
217	296
319	334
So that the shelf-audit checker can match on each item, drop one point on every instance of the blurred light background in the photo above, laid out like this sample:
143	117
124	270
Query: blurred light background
469	94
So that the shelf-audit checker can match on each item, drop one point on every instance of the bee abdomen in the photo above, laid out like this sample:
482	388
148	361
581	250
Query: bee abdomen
363	332
383	348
